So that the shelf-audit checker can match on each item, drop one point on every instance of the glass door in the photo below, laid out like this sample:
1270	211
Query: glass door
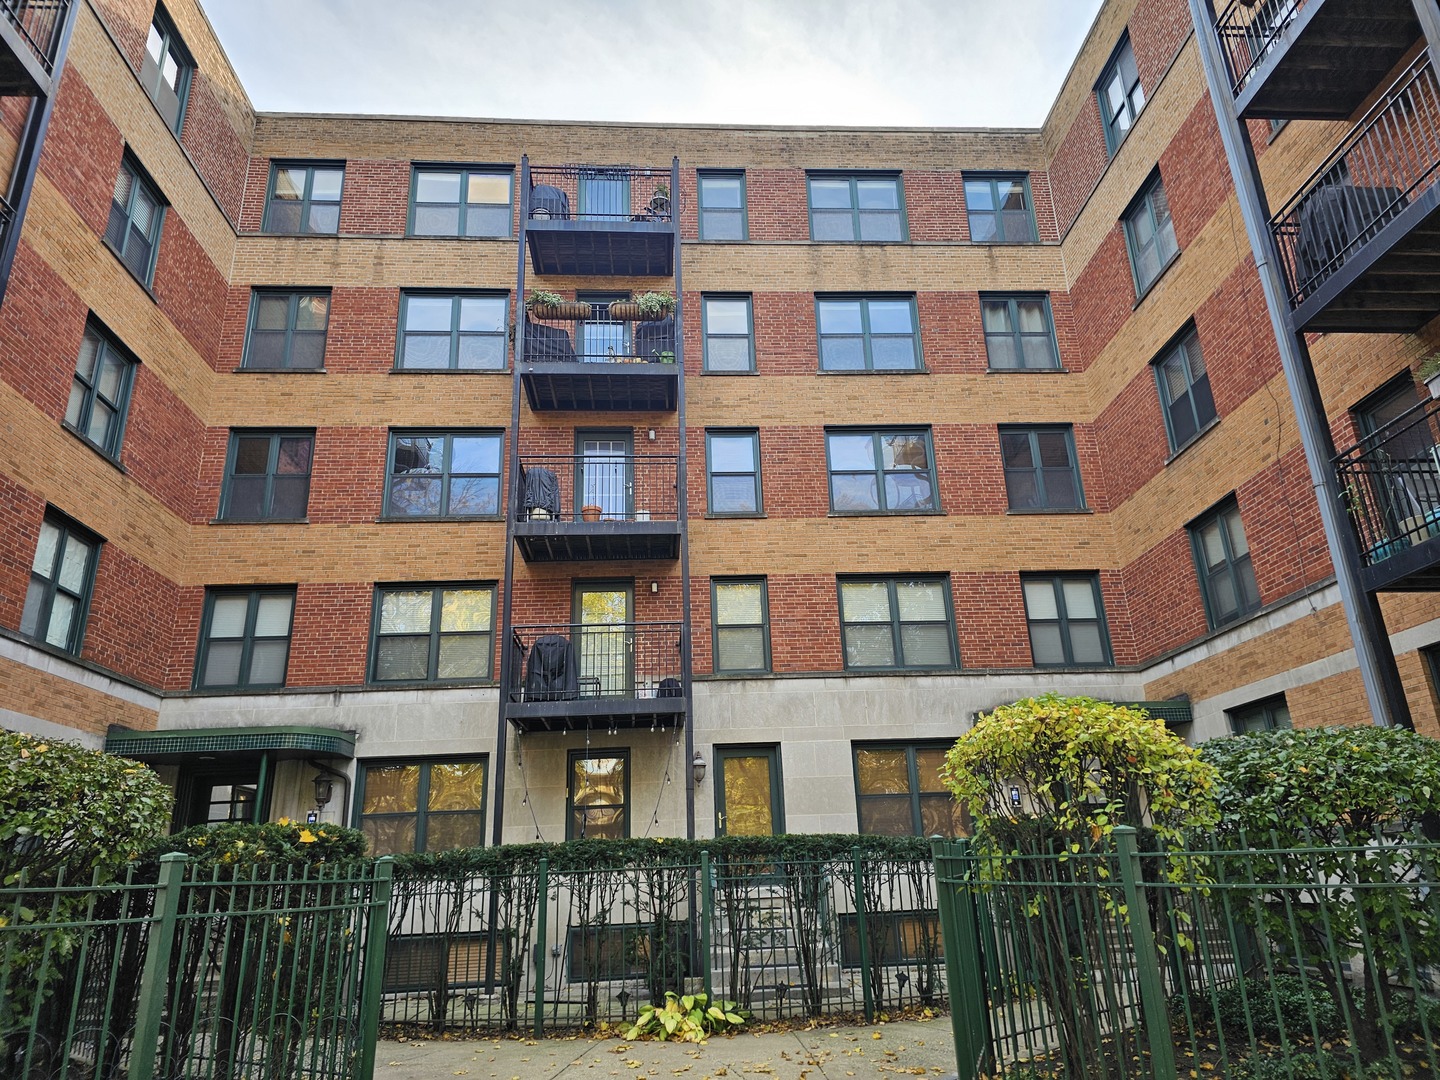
605	473
748	792
1405	467
605	193
605	638
603	339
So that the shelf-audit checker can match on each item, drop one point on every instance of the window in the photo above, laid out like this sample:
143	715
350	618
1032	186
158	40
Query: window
438	633
1067	620
1150	235
999	209
1121	96
452	332
892	938
1268	715
1185	394
444	474
896	623
1222	558
1019	332
722	206
100	392
304	199
267	476
244	638
460	202
165	70
287	330
733	473
408	806
597	798
1040	468
857	207
728	331
879	472
867	334
899	793
62	577
136	213
740	610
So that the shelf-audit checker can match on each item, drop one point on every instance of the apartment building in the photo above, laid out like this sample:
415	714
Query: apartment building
308	500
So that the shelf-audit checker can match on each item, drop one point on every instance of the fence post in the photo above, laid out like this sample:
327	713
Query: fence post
1147	964
969	1009
865	988
707	898
372	975
543	892
155	978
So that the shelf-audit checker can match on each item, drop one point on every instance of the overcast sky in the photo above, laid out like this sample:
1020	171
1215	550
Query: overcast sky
956	63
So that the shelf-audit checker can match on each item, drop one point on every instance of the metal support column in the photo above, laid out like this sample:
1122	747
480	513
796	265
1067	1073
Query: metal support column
1376	660
1429	16
682	505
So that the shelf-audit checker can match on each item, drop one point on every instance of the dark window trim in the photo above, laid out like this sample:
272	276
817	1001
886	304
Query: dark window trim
889	923
866	338
910	746
764	626
1177	342
1112	145
574	755
1034	430
994	177
723	751
1265	708
130	163
422	793
853	175
437	589
455	295
732	433
1062	618
1197	553
877	431
67	525
416	168
162	21
749	300
276	164
253	593
1142	198
386	514
703	174
108	341
293	296
1012	300
275	435
896	625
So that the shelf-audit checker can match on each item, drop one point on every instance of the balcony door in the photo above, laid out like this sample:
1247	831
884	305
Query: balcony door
605	194
748	800
603	615
1405	460
601	338
605	473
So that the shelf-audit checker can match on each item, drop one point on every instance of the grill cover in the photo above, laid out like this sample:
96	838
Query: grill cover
549	202
655	337
542	492
1335	217
547	343
552	670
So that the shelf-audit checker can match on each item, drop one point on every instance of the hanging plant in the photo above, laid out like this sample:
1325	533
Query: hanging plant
549	305
655	305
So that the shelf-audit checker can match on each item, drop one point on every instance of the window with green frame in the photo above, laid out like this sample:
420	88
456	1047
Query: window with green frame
1041	472
304	198
1019	332
100	392
427	805
1271	714
287	329
732	472
433	633
998	208
1222	560
900	937
1185	395
728	329
889	623
597	795
1150	235
867	333
165	70
461	201
452	332
856	206
244	638
62	578
1066	616
444	474
267	476
740	625
881	471
898	790
136	214
1120	95
722	205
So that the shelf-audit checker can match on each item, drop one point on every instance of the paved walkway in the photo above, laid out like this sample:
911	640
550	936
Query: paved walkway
904	1048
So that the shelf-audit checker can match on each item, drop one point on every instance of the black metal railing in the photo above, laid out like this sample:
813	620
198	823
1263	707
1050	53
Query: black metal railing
39	23
1390	157
577	662
599	339
1249	32
595	486
1390	482
599	193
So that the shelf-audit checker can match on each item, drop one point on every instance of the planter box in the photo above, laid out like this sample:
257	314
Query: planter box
571	309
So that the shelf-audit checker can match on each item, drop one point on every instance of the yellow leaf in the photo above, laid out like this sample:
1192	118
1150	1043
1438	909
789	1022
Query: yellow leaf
306	836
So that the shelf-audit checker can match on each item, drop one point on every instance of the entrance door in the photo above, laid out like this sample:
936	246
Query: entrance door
605	638
747	788
605	193
603	339
604	473
215	797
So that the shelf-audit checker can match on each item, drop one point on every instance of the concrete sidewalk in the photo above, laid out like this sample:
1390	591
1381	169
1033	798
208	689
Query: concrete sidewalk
904	1048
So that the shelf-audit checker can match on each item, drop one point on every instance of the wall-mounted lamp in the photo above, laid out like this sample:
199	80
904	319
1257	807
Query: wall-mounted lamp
324	788
650	434
698	765
654	586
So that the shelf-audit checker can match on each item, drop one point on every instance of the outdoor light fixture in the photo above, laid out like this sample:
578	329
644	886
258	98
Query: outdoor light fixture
698	766
654	586
324	787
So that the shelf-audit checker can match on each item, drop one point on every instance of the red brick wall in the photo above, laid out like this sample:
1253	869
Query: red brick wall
211	141
20	515
375	198
82	151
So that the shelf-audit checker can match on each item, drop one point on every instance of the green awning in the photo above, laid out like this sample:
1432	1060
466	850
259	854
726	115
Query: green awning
149	745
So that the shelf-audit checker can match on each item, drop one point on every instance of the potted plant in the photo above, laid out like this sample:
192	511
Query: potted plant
591	512
647	307
1429	373
549	305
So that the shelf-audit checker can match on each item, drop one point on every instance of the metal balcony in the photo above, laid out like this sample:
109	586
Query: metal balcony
593	220
30	32
1360	243
1312	59
568	676
600	364
1390	481
597	507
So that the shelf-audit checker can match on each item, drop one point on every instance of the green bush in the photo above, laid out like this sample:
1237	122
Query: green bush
248	847
686	1018
1289	996
1405	1014
1304	1065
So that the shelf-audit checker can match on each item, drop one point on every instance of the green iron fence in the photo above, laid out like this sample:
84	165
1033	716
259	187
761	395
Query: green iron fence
214	973
855	935
1247	959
